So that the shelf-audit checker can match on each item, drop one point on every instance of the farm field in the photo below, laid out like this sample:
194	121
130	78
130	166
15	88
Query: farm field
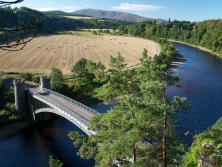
63	51
78	17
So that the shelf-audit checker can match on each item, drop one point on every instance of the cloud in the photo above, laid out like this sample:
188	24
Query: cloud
69	8
62	8
138	7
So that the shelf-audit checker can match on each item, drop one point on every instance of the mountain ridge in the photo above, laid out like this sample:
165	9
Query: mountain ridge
97	13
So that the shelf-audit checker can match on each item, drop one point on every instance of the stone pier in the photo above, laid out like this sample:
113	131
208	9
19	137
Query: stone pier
20	97
45	82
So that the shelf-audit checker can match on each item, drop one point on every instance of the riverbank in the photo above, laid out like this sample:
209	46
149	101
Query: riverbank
11	129
199	47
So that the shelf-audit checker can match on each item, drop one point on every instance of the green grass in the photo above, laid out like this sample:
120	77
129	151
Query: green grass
89	35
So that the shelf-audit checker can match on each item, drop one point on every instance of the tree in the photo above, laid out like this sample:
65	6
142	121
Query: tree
56	79
79	69
19	33
139	130
54	162
88	69
206	149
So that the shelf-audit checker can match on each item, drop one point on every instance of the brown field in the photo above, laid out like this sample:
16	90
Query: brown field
78	17
63	51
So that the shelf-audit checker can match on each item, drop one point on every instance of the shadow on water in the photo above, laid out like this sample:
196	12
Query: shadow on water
33	146
180	60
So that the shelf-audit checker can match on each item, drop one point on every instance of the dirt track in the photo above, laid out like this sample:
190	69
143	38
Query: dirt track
63	51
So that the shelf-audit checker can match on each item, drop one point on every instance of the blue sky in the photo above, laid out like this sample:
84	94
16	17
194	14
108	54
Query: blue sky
189	10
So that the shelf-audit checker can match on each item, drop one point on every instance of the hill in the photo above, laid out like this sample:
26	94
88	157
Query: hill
114	15
54	21
61	13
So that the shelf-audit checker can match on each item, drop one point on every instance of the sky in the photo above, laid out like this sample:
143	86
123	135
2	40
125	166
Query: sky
188	10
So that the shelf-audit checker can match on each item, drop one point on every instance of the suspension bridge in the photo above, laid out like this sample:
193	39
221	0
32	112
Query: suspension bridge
40	99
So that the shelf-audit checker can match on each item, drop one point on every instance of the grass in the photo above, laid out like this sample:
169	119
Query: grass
88	35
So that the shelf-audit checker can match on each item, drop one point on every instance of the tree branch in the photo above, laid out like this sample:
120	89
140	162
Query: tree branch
20	31
6	3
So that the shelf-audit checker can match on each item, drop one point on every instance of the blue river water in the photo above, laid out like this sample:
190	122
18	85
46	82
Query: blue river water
200	81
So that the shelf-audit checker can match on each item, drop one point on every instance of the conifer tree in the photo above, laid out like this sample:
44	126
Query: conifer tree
139	130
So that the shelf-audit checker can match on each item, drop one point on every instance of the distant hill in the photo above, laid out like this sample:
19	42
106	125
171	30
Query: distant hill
114	15
58	12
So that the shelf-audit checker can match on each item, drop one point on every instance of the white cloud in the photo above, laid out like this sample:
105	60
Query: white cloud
69	8
62	8
138	7
46	9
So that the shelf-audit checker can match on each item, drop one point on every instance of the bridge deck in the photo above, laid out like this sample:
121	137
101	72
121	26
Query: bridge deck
79	111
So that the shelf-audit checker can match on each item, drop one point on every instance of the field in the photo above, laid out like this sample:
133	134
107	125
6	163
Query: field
78	17
63	51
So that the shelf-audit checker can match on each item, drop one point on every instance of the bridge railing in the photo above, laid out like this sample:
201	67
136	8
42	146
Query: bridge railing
68	113
84	107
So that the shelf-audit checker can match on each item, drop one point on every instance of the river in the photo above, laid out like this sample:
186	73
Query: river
200	81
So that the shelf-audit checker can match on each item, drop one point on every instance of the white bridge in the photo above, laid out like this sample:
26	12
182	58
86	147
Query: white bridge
46	100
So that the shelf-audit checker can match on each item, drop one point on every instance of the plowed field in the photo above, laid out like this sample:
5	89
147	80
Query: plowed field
63	51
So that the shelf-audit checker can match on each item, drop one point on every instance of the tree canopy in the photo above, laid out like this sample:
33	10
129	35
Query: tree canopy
139	130
56	79
207	147
206	33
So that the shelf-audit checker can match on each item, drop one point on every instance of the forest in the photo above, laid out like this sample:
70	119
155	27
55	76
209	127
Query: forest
206	34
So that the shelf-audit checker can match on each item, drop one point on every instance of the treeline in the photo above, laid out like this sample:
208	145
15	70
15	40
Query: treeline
207	34
52	22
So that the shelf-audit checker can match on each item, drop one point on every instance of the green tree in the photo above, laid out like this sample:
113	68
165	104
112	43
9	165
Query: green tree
139	129
79	69
88	70
54	162
57	80
2	73
205	145
27	76
10	109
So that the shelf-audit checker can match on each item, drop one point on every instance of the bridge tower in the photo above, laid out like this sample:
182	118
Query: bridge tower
45	82
20	97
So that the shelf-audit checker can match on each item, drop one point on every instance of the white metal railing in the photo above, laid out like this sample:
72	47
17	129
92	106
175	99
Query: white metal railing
76	103
81	123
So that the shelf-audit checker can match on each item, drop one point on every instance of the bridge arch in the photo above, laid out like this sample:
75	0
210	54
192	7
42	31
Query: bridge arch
64	112
51	110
